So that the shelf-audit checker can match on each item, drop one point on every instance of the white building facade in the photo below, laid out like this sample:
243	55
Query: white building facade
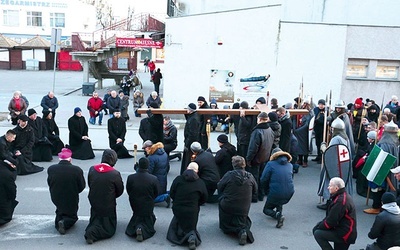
21	20
349	47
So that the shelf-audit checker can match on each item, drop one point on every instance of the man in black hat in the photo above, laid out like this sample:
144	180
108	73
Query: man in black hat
203	119
319	120
386	227
22	147
191	134
223	157
142	189
246	124
65	182
105	186
42	148
260	146
116	127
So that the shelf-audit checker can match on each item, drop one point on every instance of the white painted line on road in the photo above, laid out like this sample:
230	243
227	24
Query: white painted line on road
30	227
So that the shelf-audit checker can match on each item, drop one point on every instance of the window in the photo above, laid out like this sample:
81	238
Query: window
11	17
34	18
356	70
387	69
57	20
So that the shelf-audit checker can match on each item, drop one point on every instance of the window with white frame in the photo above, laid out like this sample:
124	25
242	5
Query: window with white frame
357	68
34	18
57	20
10	17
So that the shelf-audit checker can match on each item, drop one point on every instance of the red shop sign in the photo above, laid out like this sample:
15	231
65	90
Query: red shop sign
138	43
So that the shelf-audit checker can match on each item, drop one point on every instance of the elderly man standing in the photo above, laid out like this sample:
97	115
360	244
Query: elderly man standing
340	225
65	182
95	107
236	189
50	103
260	146
105	186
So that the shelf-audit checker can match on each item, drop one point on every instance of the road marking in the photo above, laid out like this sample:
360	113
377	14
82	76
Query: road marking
31	227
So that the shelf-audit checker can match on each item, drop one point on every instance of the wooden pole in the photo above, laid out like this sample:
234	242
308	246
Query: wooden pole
135	152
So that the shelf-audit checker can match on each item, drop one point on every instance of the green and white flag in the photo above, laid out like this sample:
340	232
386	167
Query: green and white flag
378	165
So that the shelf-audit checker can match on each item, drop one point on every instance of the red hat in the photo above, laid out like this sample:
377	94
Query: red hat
359	101
65	153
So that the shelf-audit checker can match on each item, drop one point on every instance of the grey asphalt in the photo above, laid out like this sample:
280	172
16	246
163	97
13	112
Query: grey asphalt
32	226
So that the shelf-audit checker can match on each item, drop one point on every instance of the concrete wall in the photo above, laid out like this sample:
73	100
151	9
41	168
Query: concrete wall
191	50
314	53
374	44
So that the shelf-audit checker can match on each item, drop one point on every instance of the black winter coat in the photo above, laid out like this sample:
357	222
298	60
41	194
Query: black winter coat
261	141
276	128
144	129
223	158
192	129
105	188
386	229
113	104
286	131
39	129
188	193
236	190
156	128
341	217
65	182
246	125
208	170
142	189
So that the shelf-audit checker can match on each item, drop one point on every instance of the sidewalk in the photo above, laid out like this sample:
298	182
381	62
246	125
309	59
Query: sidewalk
68	90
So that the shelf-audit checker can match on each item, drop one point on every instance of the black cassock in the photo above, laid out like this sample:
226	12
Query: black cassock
53	134
142	189
117	129
8	193
42	147
65	181
81	149
188	192
105	186
24	142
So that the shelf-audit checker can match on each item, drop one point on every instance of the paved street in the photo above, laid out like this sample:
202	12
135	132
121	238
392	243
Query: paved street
32	226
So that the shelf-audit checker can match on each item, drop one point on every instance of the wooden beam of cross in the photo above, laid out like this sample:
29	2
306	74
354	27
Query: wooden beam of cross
219	111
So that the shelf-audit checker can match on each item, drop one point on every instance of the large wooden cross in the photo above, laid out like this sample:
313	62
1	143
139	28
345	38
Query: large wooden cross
261	108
